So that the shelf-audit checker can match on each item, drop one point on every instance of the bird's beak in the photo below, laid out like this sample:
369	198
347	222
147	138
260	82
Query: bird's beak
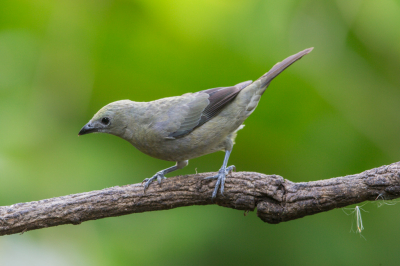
88	128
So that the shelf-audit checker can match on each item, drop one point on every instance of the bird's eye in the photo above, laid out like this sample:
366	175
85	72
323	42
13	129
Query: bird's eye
105	120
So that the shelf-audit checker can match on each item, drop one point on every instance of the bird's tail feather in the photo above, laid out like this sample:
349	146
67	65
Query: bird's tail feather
279	67
250	96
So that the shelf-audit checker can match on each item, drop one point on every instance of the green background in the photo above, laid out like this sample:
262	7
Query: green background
333	113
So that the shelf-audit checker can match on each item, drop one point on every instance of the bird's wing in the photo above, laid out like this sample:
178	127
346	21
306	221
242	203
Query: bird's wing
204	106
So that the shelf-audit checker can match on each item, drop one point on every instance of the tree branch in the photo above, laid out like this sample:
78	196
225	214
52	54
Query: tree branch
276	199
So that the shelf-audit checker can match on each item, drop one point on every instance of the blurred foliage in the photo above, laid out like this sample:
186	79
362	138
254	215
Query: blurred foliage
333	113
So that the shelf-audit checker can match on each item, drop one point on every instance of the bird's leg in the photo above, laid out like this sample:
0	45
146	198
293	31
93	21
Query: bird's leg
222	175
160	175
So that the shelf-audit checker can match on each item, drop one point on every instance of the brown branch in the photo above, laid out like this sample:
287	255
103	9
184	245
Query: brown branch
276	199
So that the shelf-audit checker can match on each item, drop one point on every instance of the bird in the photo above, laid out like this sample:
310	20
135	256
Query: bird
185	127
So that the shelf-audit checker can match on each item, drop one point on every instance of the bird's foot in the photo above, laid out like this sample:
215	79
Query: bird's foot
159	176
222	173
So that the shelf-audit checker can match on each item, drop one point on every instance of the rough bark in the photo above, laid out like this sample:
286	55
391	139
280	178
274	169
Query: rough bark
276	199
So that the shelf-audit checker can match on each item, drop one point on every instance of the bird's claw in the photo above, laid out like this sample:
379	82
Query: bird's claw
222	173
159	176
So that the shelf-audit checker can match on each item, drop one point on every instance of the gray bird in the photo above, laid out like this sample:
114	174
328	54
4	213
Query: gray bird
189	126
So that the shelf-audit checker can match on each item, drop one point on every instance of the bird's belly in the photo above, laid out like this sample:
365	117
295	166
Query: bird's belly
184	148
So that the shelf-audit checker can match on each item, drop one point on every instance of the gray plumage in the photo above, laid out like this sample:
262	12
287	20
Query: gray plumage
185	127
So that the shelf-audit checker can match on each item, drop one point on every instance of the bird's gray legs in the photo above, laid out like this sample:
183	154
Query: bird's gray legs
222	175
160	175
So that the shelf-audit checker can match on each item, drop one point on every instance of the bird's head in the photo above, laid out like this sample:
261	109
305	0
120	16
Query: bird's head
110	119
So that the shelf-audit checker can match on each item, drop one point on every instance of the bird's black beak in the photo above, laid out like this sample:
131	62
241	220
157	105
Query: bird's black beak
88	128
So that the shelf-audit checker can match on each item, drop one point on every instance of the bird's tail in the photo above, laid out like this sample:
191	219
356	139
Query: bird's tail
251	94
279	67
